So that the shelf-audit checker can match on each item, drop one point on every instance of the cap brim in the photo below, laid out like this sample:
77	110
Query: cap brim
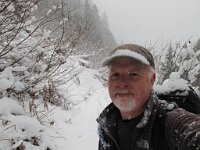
125	53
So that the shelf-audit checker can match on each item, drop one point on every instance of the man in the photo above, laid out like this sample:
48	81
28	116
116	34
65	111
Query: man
132	121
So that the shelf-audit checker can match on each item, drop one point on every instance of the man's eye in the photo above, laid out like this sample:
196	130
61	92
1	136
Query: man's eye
133	75
115	75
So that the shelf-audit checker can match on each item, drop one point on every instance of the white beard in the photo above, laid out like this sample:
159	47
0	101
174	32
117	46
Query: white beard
127	105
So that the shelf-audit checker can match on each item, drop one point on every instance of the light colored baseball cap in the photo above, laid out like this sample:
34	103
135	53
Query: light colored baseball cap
133	51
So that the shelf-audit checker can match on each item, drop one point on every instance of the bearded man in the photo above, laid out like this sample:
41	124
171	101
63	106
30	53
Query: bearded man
131	121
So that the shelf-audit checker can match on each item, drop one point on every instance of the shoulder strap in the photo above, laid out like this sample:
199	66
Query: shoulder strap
158	140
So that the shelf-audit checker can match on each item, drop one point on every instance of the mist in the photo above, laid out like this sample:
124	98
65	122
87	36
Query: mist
149	22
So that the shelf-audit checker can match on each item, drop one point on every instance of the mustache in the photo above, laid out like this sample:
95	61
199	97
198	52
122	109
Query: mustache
123	91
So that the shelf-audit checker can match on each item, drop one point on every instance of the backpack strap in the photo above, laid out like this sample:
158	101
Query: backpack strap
158	139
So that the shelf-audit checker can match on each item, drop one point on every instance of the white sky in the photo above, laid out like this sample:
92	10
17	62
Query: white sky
151	21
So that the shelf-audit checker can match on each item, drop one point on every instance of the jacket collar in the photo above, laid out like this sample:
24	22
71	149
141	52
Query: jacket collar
111	113
109	116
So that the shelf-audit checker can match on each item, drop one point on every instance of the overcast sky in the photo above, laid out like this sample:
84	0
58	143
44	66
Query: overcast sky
145	21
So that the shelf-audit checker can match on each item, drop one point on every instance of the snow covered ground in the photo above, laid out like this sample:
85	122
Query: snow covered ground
73	129
77	129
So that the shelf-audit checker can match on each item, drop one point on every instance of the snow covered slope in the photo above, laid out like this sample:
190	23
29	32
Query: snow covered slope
76	129
72	129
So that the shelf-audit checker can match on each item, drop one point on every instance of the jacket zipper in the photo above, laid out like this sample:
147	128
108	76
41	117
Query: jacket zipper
113	139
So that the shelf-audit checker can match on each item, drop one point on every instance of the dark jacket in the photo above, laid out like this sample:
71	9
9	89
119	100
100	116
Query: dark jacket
176	130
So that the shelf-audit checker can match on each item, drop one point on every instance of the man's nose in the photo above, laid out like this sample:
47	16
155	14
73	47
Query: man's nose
123	81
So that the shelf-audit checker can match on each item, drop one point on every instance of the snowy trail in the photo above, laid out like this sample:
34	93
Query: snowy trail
77	129
61	129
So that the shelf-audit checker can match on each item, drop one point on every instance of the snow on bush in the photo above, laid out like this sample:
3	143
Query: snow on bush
7	79
181	58
18	129
172	84
9	106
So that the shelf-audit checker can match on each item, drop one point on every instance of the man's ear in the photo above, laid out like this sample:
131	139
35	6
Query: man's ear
153	78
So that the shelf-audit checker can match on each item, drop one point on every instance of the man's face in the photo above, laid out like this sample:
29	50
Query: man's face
130	84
